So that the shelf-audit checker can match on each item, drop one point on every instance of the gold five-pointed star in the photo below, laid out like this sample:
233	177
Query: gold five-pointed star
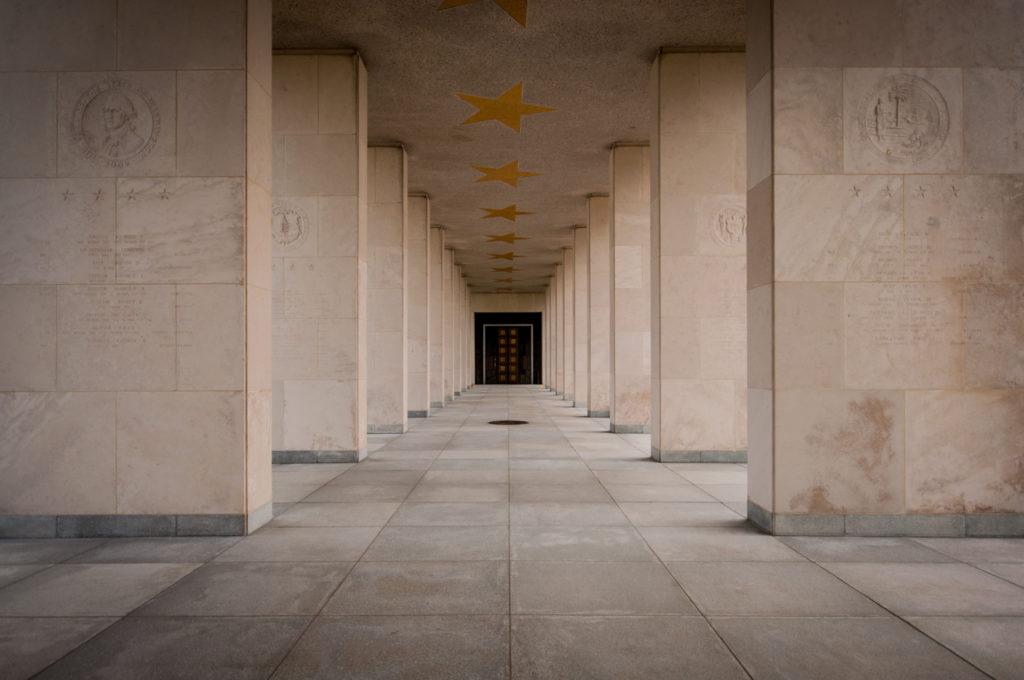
509	212
509	174
504	256
506	238
508	108
515	8
504	269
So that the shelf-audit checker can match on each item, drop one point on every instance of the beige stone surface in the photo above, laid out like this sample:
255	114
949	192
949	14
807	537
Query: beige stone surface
761	338
211	323
57	231
722	90
760	234
760	448
680	338
902	120
632	399
964	451
320	165
259	139
599	330
581	348
337	350
838	228
822	33
723	348
258	239
437	356
320	415
335	94
28	338
295	348
965	227
809	336
116	338
963	33
84	35
180	230
995	335
808	120
181	452
338	225
296	226
258	339
760	163
212	123
698	415
28	124
258	471
839	452
994	120
704	286
188	34
258	43
311	287
904	336
629	267
142	146
58	453
721	227
295	96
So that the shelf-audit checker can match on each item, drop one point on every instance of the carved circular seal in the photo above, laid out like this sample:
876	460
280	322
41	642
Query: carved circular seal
729	225
290	223
905	118
115	123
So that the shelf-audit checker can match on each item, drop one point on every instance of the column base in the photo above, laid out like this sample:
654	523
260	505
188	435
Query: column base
458	394
580	404
1003	525
418	414
698	456
598	414
386	429
630	429
132	526
307	457
437	404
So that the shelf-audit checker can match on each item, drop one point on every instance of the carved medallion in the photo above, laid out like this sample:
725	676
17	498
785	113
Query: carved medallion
905	118
290	224
729	225
115	123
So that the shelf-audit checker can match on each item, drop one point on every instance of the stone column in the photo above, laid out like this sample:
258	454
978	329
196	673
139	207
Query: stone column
470	346
568	323
698	240
418	300
457	336
581	349
630	282
558	342
599	328
886	323
449	320
320	287
546	354
387	409
134	269
435	273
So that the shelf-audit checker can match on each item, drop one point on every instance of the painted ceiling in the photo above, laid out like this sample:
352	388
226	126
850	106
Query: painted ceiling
508	108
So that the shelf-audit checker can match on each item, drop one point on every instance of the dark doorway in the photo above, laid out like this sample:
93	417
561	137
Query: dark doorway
508	349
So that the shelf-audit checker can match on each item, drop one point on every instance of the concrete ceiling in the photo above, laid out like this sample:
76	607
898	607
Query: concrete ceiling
589	60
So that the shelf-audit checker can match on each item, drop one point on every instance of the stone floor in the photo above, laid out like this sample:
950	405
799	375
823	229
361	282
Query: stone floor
547	550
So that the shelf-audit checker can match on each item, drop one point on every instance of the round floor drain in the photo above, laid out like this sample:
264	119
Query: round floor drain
508	422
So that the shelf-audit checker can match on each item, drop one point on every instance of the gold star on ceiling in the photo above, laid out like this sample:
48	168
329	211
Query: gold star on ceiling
504	269
509	212
509	174
507	109
504	256
506	280
515	8
505	238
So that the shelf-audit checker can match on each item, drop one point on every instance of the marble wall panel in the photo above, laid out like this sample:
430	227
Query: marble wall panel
187	230
902	120
681	212
385	222
258	239
965	227
994	120
386	406
761	337
339	225
116	338
722	103
760	234
317	415
28	124
904	336
704	286
721	226
181	452
387	305
809	335
808	112
258	42
963	33
259	139
211	337
295	226
212	117
28	338
311	287
387	267
58	453
82	35
760	451
258	472
702	164
57	231
632	399
259	331
838	228
681	339
629	267
187	34
823	33
995	335
698	415
839	452
334	96
337	350
759	40
760	153
723	348
295	348
296	95
117	124
320	165
964	452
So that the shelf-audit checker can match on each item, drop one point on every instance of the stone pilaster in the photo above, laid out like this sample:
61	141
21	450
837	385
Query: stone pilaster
599	328
418	300
581	349
435	269
569	323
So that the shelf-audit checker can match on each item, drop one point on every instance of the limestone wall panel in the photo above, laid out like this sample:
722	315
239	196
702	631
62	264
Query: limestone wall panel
995	336
28	338
28	128
191	34
212	115
211	325
808	120
809	336
994	120
84	35
311	287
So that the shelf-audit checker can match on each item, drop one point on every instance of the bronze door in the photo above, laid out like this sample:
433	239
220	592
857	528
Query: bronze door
508	352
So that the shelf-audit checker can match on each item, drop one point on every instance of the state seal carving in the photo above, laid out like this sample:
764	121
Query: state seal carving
905	118
729	225
115	123
290	224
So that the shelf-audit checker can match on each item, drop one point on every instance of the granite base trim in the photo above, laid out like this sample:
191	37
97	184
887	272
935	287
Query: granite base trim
28	526
385	429
598	414
580	404
130	526
630	429
1004	525
698	456
310	457
436	404
418	414
259	517
458	393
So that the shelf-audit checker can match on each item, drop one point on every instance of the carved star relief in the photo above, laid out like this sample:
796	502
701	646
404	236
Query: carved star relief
504	256
508	108
515	8
506	238
509	212
509	174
